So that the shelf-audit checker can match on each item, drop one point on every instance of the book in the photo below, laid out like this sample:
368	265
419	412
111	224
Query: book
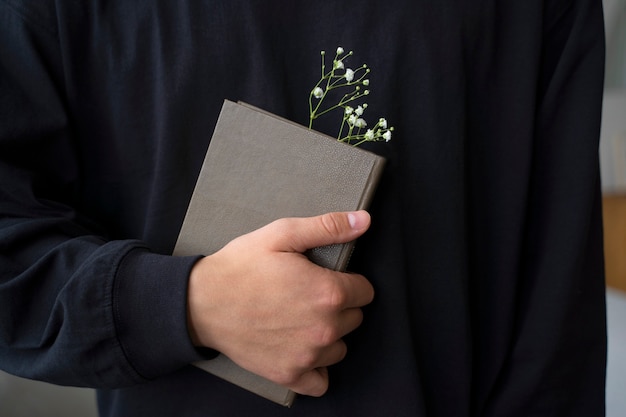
258	168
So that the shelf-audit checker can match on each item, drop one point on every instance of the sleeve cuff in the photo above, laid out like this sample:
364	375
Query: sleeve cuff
150	312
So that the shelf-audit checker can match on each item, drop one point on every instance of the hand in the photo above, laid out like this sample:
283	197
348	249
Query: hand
263	304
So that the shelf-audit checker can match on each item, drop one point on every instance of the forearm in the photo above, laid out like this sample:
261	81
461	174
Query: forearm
93	313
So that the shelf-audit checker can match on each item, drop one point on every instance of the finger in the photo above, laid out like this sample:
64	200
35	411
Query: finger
313	383
355	290
349	320
301	234
332	354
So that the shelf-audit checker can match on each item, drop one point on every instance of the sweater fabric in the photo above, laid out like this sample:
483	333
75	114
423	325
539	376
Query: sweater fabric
485	249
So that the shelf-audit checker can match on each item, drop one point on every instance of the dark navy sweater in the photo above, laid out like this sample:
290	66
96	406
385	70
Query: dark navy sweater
485	249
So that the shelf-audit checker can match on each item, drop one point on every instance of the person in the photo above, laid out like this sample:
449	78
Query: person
478	286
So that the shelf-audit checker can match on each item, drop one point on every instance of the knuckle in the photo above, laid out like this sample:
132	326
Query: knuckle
283	222
327	335
284	377
283	380
333	295
281	226
308	360
331	223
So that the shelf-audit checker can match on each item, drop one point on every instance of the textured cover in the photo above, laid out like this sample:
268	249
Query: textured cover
259	168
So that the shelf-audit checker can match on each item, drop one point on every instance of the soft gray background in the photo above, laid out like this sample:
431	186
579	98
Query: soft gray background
613	138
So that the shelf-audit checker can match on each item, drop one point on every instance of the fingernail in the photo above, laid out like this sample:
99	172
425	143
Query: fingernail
357	219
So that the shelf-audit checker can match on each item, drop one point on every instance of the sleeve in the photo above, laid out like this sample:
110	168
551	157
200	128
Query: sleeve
556	364
76	307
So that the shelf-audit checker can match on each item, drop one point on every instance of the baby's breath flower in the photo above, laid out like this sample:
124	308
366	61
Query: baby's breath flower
349	75
339	76
318	92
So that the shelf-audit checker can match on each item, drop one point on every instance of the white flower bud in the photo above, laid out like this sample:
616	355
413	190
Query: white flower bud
339	50
366	82
387	136
338	64
349	75
318	92
382	123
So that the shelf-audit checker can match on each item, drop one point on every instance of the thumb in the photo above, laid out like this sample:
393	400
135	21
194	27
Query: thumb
301	234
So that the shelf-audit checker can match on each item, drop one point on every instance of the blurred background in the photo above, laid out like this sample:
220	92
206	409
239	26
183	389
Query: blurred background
613	165
24	398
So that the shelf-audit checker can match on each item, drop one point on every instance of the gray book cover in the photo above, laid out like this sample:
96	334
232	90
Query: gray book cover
259	168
